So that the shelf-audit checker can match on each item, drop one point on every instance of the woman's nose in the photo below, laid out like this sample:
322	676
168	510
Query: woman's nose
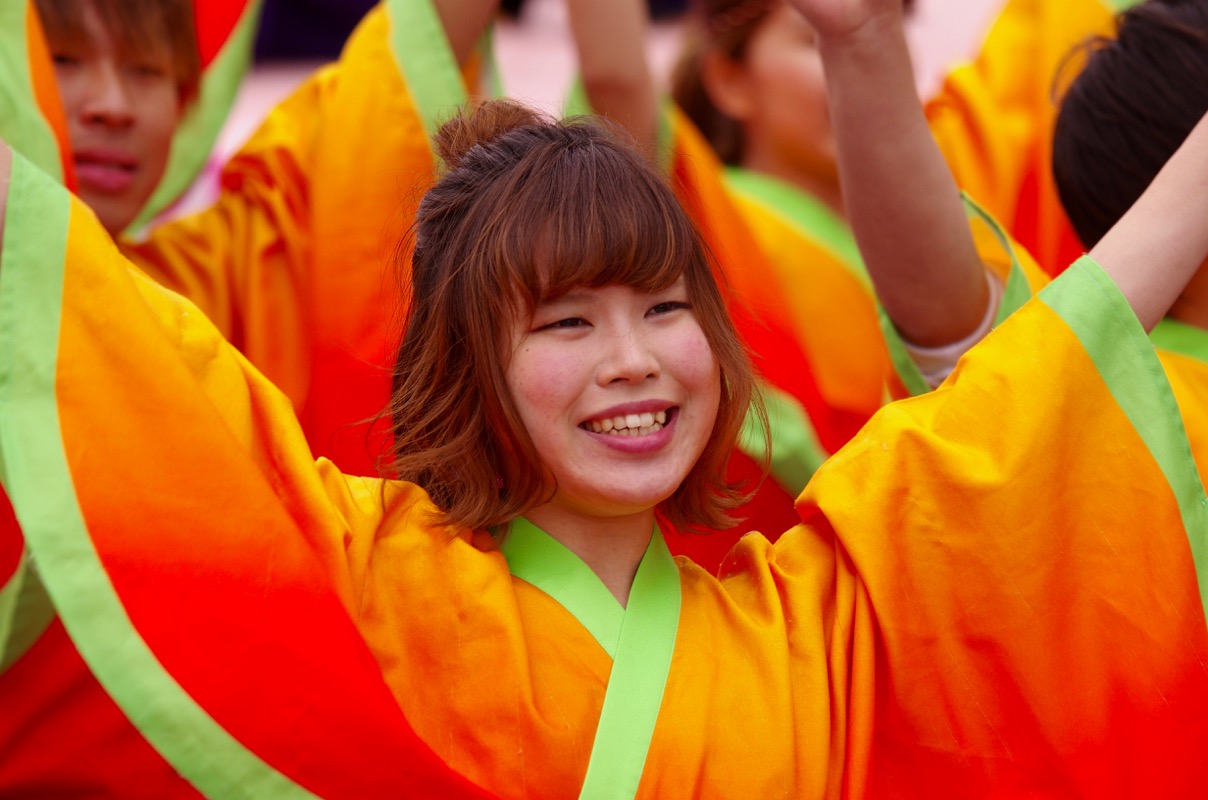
628	356
107	100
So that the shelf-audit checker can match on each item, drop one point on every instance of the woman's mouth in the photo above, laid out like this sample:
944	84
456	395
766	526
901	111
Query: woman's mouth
642	424
106	172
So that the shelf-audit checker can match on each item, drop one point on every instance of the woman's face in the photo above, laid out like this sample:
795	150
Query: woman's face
619	391
122	111
781	100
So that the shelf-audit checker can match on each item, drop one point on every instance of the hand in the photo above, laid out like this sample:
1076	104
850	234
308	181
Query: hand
838	19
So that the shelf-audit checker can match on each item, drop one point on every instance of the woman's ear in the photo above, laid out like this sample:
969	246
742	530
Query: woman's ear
728	84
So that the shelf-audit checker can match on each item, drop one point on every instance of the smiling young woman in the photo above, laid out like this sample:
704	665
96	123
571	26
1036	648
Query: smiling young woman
936	626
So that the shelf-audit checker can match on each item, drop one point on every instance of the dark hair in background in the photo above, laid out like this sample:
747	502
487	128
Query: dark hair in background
138	26
529	209
1135	101
724	27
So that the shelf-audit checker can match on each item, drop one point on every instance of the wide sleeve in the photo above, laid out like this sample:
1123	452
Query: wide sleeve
1026	545
172	514
994	118
244	260
302	260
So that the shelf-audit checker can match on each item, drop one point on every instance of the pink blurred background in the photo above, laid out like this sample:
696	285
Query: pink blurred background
536	64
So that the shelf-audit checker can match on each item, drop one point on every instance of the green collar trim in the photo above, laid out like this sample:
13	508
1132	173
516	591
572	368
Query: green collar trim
643	647
1179	337
803	211
537	558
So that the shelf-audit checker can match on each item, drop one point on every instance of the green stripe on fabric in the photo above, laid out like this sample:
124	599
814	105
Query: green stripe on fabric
537	558
39	484
638	678
25	612
426	60
1179	337
796	451
1016	292
195	137
802	211
21	121
1089	302
908	372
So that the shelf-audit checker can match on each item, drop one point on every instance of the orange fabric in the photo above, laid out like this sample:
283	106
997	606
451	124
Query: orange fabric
756	290
62	736
296	261
951	621
991	592
239	633
834	316
994	120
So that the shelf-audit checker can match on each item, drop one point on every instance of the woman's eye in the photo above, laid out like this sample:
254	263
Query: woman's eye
569	322
64	60
669	306
148	70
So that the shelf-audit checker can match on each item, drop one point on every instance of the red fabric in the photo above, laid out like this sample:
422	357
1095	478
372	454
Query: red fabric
215	19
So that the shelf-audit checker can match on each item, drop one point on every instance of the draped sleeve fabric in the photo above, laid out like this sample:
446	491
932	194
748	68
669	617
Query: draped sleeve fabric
1025	544
994	118
302	259
177	580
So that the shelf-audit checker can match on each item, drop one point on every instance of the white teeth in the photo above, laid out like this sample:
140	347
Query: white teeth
629	425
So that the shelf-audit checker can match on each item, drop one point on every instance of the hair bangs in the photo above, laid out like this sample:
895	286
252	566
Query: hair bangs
613	222
164	28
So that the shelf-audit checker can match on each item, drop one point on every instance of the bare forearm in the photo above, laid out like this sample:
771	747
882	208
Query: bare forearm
610	37
1162	241
902	201
464	22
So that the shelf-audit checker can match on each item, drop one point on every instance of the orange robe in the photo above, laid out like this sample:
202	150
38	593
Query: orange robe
994	118
992	592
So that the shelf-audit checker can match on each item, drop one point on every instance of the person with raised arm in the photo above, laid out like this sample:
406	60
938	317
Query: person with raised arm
991	588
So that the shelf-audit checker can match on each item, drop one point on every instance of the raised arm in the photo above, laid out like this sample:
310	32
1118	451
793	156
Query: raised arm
1162	241
464	22
610	39
901	199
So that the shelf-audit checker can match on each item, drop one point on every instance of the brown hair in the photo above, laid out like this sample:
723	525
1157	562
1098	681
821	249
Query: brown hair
725	27
1135	101
138	26
529	209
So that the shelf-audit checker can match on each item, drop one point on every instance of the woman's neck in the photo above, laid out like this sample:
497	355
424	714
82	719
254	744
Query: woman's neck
612	547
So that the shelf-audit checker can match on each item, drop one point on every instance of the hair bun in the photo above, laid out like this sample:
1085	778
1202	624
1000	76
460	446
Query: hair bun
482	124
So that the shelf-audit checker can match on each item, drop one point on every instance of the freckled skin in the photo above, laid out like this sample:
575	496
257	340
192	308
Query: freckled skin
583	356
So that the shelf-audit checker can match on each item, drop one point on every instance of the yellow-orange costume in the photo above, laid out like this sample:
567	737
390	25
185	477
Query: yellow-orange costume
992	592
